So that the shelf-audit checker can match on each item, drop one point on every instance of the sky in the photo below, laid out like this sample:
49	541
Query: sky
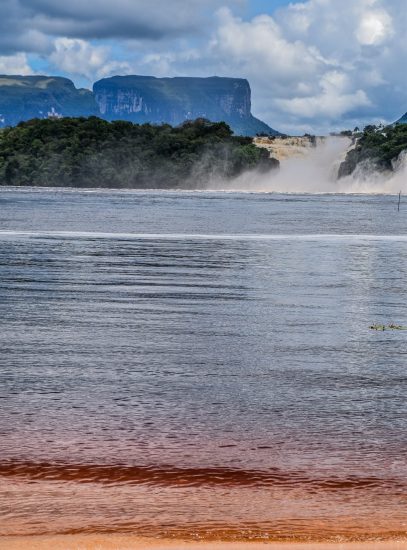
313	65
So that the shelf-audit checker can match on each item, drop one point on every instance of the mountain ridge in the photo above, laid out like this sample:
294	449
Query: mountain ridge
42	96
402	120
174	100
136	98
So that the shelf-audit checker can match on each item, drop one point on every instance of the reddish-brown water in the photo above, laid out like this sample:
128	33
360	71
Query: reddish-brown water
201	366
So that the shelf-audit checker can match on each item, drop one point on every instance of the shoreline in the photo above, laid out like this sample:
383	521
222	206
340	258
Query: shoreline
130	542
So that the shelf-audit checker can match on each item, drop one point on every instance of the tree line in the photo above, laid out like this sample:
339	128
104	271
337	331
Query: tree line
379	145
91	152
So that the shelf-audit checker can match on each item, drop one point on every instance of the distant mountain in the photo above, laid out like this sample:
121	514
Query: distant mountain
138	99
174	100
26	97
402	120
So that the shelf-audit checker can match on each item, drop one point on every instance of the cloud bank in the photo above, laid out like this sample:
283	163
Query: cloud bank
315	65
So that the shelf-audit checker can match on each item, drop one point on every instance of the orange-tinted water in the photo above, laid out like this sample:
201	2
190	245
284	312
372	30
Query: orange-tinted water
206	386
199	510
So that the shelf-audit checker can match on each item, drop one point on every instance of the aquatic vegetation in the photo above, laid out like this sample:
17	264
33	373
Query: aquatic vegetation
392	326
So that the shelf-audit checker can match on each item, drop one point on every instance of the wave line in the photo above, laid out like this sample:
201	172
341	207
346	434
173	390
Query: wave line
168	476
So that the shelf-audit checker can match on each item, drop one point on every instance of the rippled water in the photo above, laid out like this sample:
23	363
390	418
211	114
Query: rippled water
201	364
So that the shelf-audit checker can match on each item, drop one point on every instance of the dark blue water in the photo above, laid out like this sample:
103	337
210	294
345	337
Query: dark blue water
191	363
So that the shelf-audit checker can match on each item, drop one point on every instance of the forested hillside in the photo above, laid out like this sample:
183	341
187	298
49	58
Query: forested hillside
378	146
90	152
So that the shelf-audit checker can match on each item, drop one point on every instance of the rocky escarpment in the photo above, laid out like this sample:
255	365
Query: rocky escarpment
26	97
143	99
285	147
354	157
139	99
402	120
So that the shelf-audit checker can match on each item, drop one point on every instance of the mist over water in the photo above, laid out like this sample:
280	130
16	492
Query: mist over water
315	169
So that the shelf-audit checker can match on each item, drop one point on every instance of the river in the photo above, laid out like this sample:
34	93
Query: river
201	365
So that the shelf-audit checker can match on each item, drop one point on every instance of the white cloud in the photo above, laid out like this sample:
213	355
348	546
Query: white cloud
320	62
79	57
332	102
291	78
375	27
163	64
259	47
312	64
15	64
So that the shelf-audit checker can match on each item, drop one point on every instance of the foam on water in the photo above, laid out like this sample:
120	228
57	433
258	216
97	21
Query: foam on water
316	172
198	236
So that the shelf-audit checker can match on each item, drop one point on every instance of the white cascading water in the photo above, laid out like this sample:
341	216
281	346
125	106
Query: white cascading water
315	170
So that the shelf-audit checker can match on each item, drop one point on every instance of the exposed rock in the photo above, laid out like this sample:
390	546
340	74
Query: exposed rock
138	99
282	148
143	99
349	164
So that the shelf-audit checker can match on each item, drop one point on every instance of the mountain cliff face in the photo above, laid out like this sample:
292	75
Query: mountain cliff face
174	100
26	97
402	120
138	99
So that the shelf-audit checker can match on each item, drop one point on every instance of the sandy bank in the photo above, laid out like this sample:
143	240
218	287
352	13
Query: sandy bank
115	542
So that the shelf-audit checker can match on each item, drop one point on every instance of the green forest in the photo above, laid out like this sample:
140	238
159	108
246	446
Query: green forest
90	152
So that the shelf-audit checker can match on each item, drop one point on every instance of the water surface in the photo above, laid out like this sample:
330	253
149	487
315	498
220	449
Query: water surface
201	364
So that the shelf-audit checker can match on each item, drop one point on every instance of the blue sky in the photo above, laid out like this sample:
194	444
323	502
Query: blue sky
313	65
256	7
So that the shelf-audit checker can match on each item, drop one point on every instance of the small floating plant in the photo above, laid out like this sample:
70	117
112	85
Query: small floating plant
392	326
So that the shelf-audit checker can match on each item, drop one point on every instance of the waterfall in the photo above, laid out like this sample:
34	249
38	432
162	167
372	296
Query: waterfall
310	165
